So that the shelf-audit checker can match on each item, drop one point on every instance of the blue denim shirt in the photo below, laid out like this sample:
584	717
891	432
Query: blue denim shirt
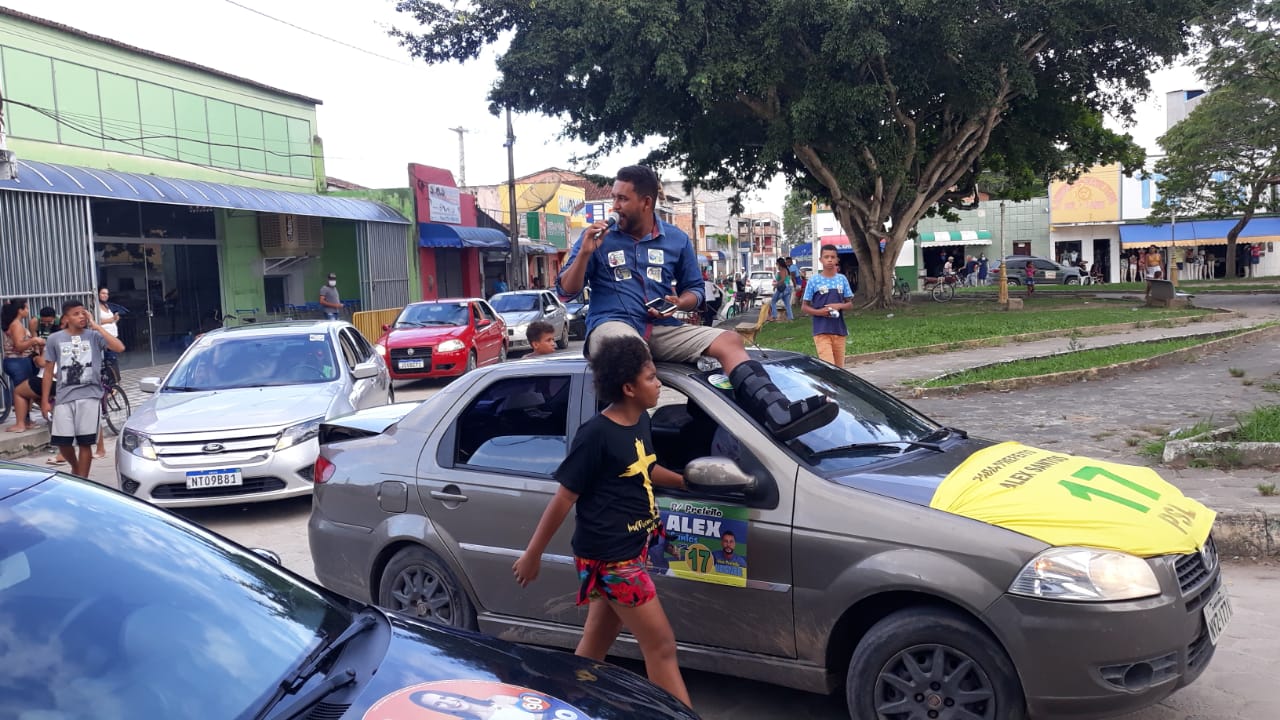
625	273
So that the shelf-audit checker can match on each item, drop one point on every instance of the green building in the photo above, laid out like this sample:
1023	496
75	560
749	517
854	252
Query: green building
188	192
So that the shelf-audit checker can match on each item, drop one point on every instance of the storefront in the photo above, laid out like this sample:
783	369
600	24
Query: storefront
1200	245
179	255
937	247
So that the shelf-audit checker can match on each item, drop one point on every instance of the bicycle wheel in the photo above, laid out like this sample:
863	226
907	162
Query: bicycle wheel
115	409
942	292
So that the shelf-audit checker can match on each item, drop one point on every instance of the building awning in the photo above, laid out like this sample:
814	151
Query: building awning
439	235
955	237
538	248
712	255
1198	232
72	180
800	251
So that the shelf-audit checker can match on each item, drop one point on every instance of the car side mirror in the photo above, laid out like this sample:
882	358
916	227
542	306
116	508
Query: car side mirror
366	369
386	327
717	473
482	323
149	384
550	308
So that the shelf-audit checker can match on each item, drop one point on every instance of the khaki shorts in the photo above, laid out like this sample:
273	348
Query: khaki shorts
670	343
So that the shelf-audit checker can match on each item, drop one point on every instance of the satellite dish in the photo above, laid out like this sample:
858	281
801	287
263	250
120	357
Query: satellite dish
535	196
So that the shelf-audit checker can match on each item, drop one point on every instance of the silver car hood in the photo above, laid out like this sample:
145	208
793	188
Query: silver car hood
520	318
181	412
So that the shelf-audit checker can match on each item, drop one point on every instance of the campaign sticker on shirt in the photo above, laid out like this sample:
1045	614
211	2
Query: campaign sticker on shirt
656	256
654	274
617	258
720	380
450	699
622	273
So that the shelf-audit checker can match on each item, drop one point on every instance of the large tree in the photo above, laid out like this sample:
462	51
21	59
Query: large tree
886	109
796	224
1223	158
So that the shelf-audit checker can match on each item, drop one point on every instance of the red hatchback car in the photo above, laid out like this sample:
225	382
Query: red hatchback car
443	338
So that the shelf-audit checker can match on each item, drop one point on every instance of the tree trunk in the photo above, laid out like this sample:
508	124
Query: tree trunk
1233	268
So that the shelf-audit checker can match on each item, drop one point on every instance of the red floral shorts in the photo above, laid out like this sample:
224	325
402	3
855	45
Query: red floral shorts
625	582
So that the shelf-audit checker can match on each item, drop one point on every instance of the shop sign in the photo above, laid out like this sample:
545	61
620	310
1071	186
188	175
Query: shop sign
445	204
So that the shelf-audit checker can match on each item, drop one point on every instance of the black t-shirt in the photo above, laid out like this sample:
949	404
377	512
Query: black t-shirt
609	467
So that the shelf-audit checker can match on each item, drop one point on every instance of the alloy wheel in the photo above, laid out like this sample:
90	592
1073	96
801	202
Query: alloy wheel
420	592
936	682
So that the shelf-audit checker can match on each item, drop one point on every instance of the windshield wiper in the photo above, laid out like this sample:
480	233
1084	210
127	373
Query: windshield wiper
882	444
309	666
409	323
181	388
944	432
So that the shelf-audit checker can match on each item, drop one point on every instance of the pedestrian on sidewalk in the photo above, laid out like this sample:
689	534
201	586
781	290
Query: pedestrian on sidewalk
609	476
330	300
781	291
1030	271
76	354
826	297
19	347
983	269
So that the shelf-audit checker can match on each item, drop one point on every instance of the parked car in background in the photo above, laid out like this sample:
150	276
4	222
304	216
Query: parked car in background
1047	271
113	609
926	571
521	307
443	338
760	282
577	310
236	418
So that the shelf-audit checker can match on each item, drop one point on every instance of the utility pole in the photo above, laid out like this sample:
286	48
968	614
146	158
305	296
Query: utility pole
462	155
693	209
1004	275
516	269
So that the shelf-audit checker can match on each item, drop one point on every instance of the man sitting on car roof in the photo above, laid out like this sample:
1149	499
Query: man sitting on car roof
641	259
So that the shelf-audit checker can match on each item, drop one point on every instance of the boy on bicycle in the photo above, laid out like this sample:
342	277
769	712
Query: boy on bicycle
76	353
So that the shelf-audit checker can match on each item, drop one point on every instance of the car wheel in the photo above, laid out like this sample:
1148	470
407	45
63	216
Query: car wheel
418	584
391	392
471	361
931	663
563	341
502	353
1073	280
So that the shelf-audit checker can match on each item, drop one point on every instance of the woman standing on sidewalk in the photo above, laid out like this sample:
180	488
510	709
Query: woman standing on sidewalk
19	347
781	291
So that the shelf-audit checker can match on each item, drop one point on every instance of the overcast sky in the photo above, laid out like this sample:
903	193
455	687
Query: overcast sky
378	114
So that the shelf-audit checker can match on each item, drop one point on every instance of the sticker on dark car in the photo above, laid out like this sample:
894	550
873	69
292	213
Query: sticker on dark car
448	699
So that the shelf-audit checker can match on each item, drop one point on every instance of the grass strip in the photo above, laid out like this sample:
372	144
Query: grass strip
921	324
1262	424
1065	362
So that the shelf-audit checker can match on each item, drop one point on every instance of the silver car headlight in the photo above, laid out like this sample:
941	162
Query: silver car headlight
137	443
298	434
450	346
521	330
1086	574
380	349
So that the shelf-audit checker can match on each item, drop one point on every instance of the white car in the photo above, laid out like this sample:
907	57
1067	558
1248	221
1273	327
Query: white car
236	419
760	282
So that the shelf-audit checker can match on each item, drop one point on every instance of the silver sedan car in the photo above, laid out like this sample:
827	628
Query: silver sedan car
236	418
522	307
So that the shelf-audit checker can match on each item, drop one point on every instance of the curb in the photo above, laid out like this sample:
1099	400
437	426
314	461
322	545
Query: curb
1072	376
997	341
1178	453
1247	533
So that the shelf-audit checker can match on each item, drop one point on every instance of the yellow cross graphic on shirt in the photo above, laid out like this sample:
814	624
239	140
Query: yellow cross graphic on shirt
641	467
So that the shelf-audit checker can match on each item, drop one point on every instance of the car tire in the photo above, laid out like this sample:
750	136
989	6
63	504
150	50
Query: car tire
900	669
563	341
418	584
1073	280
471	361
502	353
391	392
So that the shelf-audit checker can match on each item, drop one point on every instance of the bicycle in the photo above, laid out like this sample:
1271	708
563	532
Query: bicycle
114	406
941	289
901	290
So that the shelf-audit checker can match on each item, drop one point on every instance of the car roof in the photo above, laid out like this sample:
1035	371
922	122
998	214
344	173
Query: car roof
276	328
448	301
530	291
573	361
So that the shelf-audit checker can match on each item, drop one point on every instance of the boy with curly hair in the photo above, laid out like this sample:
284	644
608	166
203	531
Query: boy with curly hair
609	476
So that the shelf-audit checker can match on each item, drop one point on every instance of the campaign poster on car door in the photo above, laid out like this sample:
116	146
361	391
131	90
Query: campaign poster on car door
704	541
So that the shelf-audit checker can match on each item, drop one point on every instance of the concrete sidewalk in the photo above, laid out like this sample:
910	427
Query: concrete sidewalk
1113	418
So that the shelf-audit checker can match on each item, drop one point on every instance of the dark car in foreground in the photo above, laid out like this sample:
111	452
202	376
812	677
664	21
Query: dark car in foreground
925	572
111	608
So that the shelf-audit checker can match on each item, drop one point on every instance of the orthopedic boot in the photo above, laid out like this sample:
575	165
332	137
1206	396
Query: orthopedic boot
756	393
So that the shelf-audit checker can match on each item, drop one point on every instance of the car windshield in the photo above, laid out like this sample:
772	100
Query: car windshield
514	302
427	314
113	609
867	416
761	275
224	362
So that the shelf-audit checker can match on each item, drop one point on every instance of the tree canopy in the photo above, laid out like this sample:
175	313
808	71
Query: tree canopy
885	109
1223	158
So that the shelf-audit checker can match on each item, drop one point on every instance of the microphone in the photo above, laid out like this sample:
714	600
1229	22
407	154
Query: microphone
611	220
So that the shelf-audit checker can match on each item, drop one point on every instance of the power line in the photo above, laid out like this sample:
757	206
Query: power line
319	35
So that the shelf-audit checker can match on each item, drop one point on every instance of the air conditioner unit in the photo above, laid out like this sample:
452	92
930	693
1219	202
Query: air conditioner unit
283	236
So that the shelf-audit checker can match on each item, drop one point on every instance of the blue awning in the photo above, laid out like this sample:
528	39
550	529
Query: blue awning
438	235
1198	232
71	180
800	251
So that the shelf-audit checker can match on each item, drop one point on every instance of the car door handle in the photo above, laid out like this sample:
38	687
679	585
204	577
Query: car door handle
448	496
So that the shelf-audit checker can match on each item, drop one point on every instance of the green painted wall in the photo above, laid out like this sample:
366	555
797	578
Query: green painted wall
241	261
401	200
99	105
339	256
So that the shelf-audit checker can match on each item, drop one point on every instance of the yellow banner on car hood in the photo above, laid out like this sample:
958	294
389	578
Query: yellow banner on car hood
1063	499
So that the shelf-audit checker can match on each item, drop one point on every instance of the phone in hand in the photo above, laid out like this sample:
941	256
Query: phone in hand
662	305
